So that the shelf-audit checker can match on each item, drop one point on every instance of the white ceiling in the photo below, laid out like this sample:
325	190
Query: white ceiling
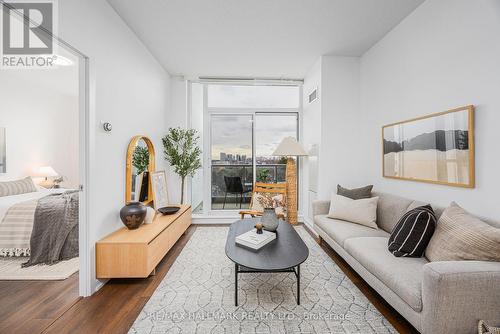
258	38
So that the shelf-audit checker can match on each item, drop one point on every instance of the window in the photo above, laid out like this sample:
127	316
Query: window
231	159
270	129
229	96
240	127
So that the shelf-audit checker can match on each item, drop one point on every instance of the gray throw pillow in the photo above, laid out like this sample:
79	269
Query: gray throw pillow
357	193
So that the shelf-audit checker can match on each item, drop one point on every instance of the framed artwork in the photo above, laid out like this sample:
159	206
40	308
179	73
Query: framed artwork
3	152
160	192
437	148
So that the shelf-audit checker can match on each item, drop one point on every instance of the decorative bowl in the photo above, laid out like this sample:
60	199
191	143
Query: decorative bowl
169	210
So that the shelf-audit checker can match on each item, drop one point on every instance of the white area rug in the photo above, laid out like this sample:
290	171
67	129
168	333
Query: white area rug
197	296
10	269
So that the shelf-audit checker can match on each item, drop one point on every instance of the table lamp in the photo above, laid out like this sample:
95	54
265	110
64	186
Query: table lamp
46	172
289	148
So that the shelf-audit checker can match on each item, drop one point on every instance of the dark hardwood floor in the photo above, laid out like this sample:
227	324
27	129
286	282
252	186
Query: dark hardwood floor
114	308
31	306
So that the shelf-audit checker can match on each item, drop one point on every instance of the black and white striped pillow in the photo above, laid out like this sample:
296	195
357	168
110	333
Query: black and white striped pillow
413	232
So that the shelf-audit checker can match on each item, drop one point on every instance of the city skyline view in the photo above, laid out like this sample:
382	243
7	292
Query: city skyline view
232	135
237	159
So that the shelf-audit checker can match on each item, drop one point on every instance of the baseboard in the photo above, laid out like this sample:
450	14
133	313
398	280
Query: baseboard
99	284
207	219
310	225
213	220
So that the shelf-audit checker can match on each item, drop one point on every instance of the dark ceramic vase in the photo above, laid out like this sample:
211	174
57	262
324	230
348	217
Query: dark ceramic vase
133	214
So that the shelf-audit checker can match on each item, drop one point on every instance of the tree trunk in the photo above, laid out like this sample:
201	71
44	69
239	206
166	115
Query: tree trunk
182	190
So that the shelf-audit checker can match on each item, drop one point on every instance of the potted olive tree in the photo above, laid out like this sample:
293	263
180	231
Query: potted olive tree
180	148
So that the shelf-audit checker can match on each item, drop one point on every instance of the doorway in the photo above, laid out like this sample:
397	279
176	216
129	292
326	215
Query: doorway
43	144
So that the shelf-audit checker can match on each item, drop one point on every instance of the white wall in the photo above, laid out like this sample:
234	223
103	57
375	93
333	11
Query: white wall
310	136
41	122
444	55
338	157
129	89
177	117
332	122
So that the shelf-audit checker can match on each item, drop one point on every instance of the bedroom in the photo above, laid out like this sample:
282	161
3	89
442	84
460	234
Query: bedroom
39	181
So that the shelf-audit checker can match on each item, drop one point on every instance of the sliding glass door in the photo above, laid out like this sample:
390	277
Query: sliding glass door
231	154
241	149
270	129
240	127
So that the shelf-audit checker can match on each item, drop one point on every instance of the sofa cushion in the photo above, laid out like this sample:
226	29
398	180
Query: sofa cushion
391	208
402	275
417	204
340	230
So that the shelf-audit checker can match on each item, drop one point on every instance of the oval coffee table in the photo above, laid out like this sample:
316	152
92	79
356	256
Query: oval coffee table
282	255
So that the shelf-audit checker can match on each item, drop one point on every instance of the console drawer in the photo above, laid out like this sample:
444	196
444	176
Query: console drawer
136	253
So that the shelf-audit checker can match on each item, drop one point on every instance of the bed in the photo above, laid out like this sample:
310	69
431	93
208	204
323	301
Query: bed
15	234
31	224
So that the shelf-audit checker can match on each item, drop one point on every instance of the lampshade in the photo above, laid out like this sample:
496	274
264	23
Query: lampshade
290	147
45	171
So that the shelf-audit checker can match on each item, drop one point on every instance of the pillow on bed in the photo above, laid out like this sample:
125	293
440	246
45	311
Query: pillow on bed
17	187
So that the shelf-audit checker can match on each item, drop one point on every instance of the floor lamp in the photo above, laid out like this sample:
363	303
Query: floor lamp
289	148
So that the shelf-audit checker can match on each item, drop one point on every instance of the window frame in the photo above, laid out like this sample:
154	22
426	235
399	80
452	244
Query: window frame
207	139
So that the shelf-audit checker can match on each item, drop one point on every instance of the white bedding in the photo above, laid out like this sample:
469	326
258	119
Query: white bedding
7	201
16	226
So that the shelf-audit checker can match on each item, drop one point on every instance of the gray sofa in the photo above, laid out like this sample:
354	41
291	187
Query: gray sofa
435	297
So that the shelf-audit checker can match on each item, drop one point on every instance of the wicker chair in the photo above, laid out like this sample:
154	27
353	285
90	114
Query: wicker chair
270	188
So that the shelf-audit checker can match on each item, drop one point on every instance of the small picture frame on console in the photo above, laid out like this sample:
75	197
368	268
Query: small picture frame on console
160	192
437	148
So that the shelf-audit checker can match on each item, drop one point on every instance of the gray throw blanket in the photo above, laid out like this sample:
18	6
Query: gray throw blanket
55	229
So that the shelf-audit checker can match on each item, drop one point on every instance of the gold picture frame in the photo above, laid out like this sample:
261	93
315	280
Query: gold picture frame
436	148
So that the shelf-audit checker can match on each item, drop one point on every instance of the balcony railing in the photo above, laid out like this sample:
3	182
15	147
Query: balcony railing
272	173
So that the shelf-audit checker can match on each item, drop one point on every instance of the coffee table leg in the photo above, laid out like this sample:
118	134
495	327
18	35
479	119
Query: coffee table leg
298	284
235	284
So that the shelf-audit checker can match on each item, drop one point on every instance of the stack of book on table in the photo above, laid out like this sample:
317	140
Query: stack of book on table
255	241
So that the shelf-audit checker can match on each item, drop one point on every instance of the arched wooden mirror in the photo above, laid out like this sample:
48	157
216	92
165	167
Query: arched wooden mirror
140	165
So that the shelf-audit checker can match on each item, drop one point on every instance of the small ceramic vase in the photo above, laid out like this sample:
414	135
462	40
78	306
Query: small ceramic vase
269	220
